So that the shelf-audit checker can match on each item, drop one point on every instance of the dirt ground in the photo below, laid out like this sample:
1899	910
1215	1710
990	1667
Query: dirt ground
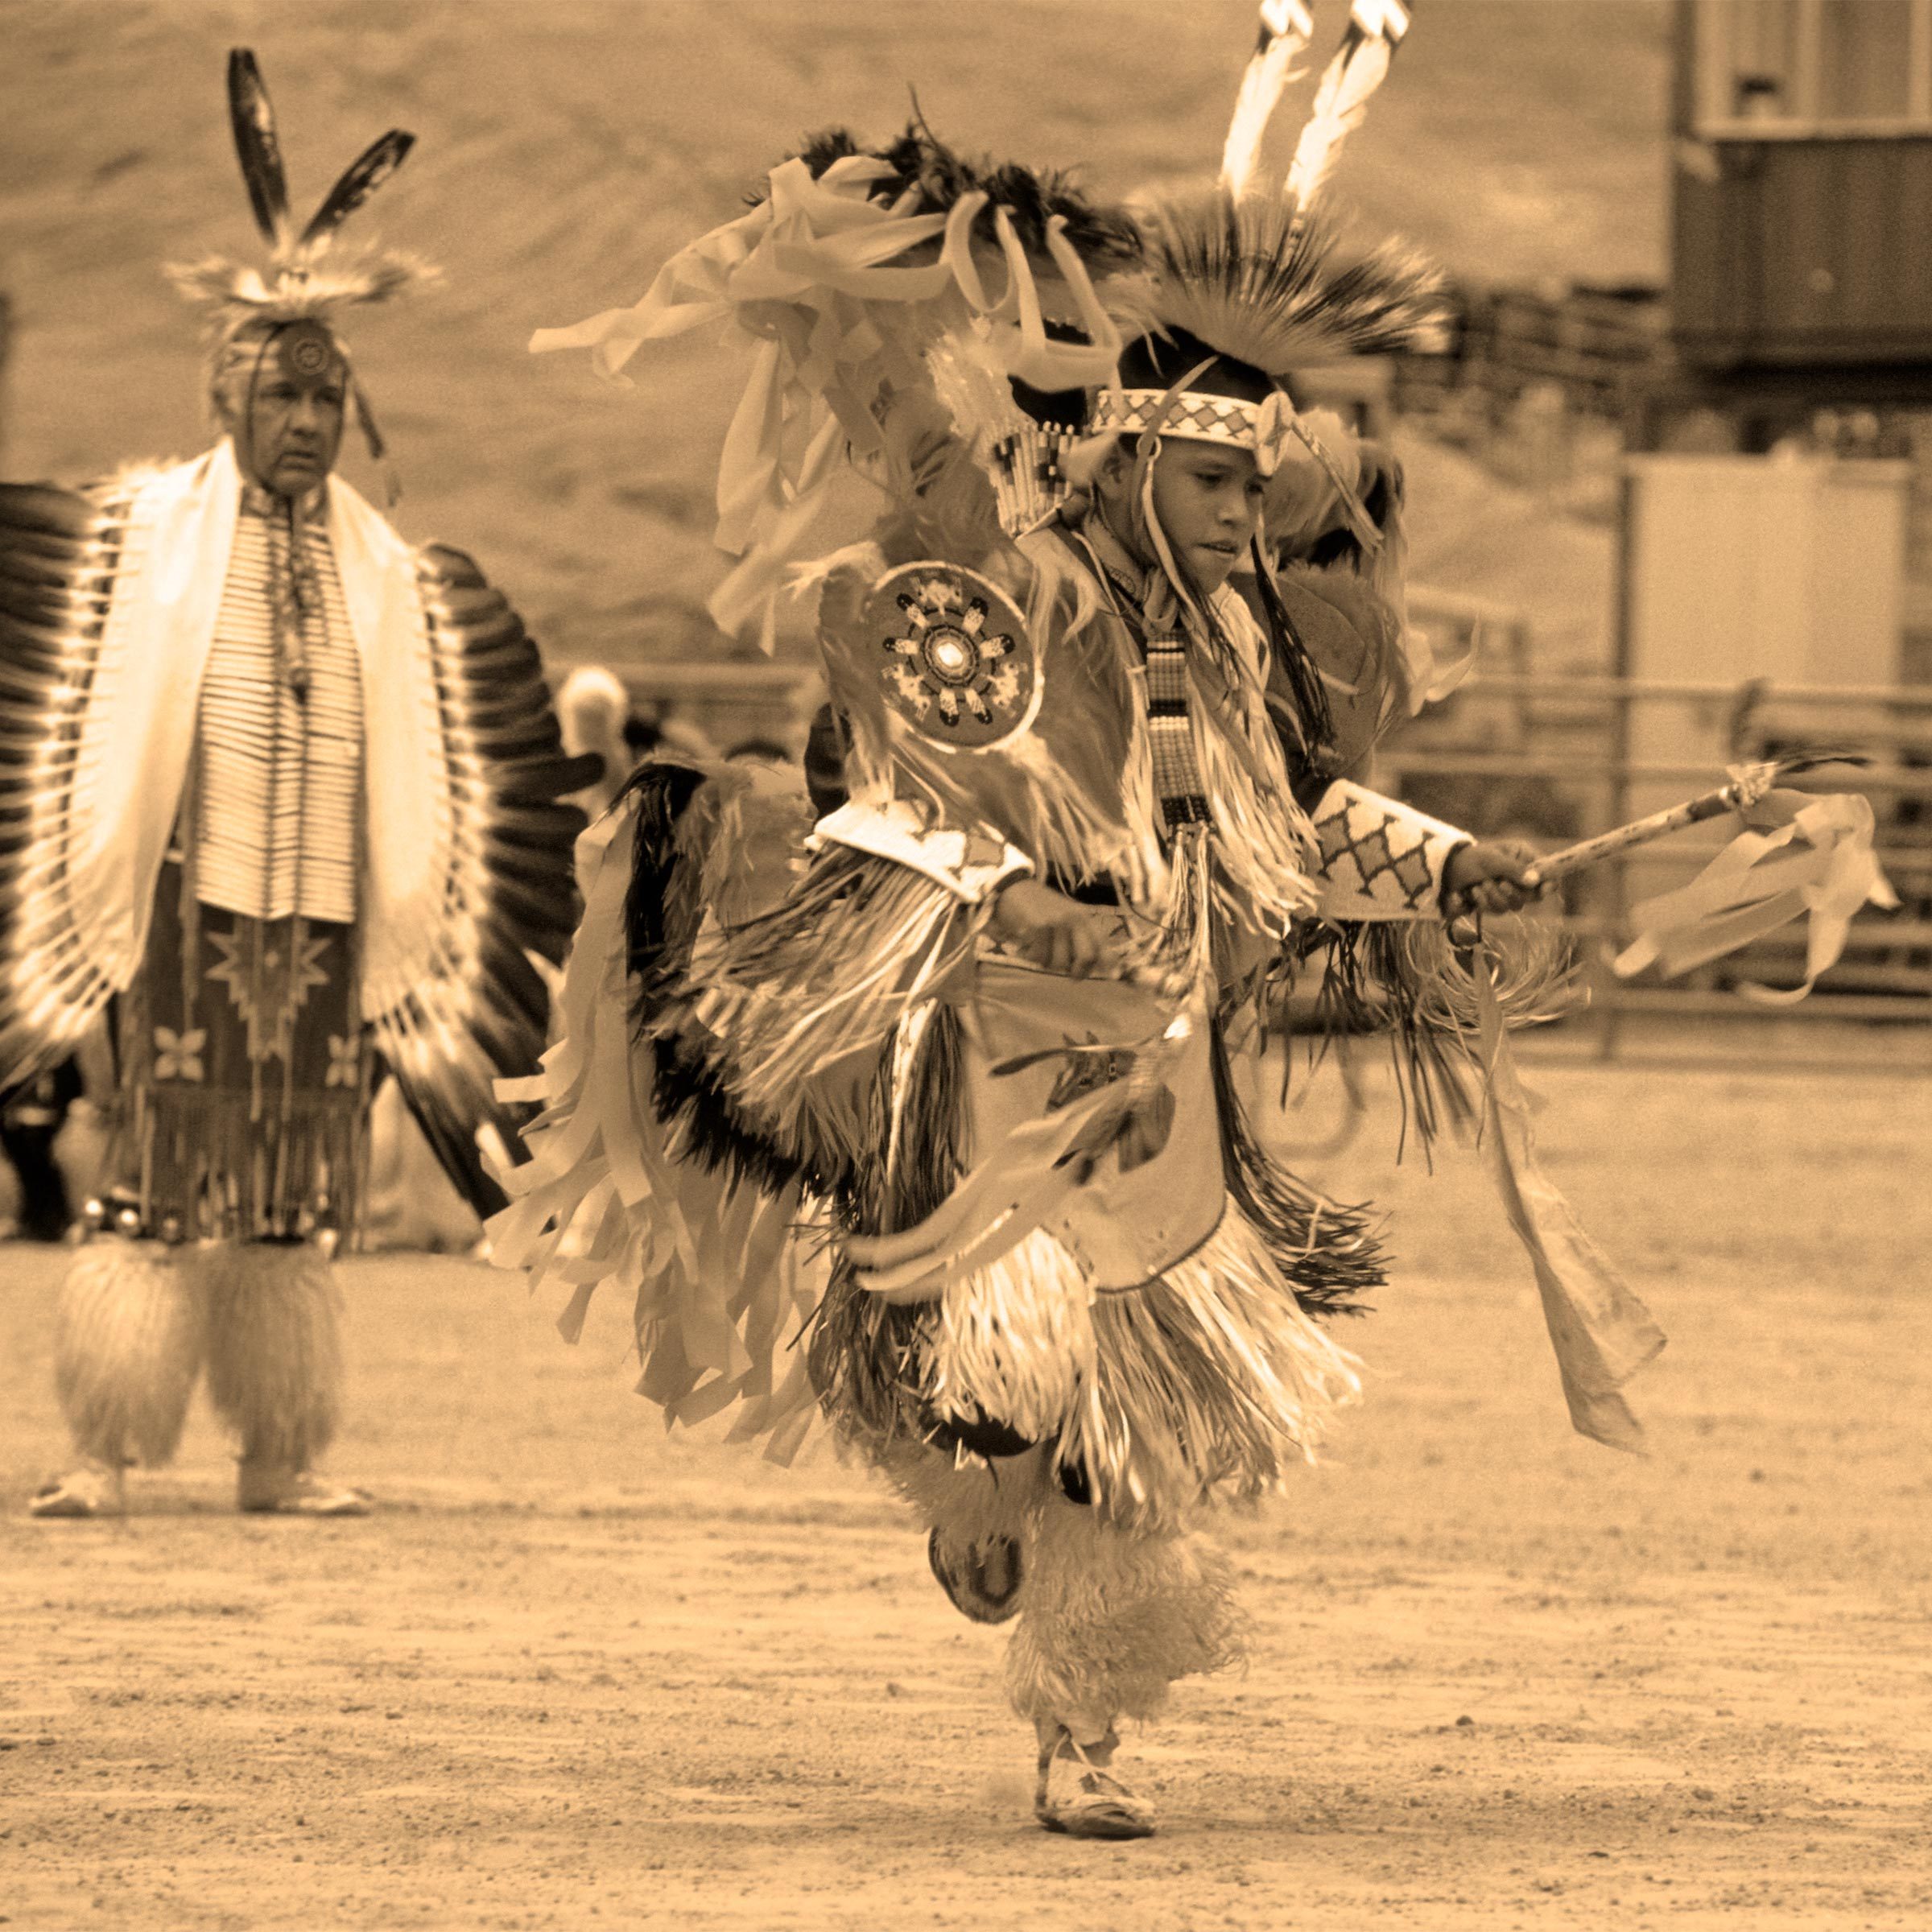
575	1673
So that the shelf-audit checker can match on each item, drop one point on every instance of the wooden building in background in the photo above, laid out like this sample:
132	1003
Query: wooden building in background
1801	322
1802	211
1776	517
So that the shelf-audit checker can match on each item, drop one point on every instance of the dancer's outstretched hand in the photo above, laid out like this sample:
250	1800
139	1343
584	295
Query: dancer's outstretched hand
1483	878
1058	933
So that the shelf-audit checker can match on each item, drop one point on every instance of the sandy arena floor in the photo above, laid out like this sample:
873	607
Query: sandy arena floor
575	1674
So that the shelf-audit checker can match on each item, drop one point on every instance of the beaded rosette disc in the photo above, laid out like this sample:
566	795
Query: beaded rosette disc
958	665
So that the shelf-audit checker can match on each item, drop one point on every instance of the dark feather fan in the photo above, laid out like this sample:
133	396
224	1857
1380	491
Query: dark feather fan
58	551
511	897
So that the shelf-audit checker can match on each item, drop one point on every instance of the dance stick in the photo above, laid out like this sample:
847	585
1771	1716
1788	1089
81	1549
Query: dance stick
1749	784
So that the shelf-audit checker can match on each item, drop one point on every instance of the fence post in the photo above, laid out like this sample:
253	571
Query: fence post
1619	786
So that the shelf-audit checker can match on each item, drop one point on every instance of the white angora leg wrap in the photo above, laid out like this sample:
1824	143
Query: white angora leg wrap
1111	1618
132	1335
274	1350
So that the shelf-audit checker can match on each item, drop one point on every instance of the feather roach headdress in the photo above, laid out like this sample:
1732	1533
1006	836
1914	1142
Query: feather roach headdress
1246	290
304	281
1246	294
1242	296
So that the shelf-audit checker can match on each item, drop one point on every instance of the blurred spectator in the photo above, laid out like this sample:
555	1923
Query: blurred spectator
679	736
594	710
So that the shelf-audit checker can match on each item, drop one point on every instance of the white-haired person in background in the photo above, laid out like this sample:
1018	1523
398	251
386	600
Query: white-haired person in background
593	708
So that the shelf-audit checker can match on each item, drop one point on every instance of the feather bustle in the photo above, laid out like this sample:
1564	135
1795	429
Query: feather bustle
480	1015
59	549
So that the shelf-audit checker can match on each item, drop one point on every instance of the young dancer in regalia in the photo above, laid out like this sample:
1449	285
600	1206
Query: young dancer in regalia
282	792
916	1105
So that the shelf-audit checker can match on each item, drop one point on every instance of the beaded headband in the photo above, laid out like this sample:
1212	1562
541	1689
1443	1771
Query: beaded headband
1262	428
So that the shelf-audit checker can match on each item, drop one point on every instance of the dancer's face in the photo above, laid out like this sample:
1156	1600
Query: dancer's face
288	426
1207	497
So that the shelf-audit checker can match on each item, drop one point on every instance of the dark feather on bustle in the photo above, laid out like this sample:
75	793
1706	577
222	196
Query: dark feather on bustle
454	569
41	508
1329	1252
863	1354
655	954
448	1123
687	1095
490	1022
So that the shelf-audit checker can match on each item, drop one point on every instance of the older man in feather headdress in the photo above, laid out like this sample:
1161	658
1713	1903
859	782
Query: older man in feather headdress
282	803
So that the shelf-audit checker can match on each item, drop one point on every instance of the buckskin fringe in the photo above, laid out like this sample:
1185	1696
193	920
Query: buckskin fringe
1369	986
1405	979
826	977
1209	1377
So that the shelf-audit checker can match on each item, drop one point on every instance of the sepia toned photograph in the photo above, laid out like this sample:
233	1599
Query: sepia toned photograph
965	966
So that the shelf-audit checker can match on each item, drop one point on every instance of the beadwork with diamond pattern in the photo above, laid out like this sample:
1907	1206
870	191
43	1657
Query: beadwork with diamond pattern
1373	856
1192	413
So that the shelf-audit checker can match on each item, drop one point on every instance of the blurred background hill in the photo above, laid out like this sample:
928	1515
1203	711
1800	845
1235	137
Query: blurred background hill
569	146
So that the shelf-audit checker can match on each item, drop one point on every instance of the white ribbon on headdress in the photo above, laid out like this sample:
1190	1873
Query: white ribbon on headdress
815	276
